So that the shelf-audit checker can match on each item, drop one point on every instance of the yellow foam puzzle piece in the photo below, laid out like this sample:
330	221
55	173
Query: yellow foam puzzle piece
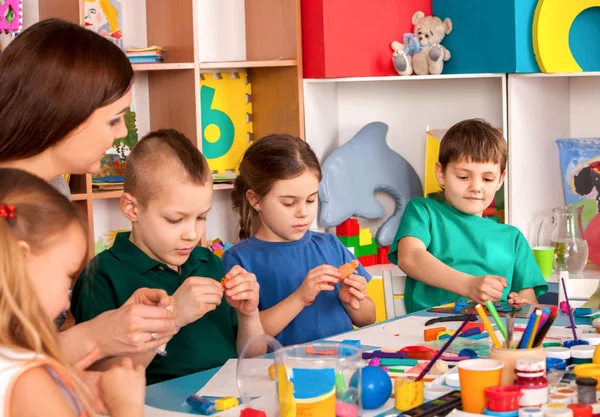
432	152
231	98
364	236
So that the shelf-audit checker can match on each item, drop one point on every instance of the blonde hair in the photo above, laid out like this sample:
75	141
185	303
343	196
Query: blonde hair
41	215
110	12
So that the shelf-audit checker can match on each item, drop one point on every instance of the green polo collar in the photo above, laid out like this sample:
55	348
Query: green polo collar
125	251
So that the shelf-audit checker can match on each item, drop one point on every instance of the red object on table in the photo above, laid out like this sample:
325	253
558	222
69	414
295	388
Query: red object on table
502	398
352	38
349	227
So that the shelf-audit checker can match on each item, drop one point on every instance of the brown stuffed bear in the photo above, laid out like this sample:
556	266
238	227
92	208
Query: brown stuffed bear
421	51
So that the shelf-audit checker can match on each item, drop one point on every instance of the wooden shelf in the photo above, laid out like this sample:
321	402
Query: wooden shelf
401	78
103	195
78	197
165	66
248	64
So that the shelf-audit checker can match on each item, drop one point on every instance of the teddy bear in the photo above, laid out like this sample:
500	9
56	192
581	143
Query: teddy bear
422	52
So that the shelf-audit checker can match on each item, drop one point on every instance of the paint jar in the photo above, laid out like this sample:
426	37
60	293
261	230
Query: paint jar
581	354
409	393
558	412
514	413
581	410
555	363
502	398
531	412
570	343
586	390
510	356
559	399
570	393
592	338
532	381
559	353
551	344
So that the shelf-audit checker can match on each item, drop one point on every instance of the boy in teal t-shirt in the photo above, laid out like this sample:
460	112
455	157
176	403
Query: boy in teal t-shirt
447	249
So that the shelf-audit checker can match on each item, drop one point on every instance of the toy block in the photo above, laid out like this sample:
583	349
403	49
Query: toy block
366	250
350	241
219	252
382	255
431	334
349	227
503	44
365	236
368	260
351	38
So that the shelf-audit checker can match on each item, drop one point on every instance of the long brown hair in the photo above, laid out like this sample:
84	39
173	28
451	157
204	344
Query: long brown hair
53	76
272	158
41	216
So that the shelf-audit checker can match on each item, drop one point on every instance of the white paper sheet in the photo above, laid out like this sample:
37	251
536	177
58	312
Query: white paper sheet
256	384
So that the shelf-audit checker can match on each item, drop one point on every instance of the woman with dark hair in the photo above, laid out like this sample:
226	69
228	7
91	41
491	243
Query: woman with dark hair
63	93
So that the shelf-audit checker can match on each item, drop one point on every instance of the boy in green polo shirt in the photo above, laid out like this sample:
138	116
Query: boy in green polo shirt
446	248
167	196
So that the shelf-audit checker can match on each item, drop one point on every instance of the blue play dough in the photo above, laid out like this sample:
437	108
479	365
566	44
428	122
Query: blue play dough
352	174
468	352
311	383
376	387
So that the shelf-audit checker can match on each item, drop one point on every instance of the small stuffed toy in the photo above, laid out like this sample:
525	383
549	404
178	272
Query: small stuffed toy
421	52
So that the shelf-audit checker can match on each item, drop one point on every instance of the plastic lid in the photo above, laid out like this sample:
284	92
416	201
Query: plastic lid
586	382
558	412
592	338
558	352
530	365
559	399
582	352
551	344
531	412
568	392
514	413
555	363
581	410
452	379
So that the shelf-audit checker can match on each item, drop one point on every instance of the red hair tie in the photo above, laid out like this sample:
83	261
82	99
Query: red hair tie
7	211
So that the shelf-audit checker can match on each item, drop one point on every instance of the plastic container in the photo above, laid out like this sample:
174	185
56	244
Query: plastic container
581	410
570	393
570	343
532	382
556	363
502	398
586	390
558	412
313	379
581	354
559	399
514	413
559	353
531	412
592	338
551	344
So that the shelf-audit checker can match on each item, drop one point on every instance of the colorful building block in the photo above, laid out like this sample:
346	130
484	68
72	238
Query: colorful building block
382	255
250	412
351	38
365	236
366	250
369	260
349	227
350	241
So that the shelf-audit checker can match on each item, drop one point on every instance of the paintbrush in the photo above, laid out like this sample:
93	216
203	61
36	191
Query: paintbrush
569	307
446	346
539	338
510	326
